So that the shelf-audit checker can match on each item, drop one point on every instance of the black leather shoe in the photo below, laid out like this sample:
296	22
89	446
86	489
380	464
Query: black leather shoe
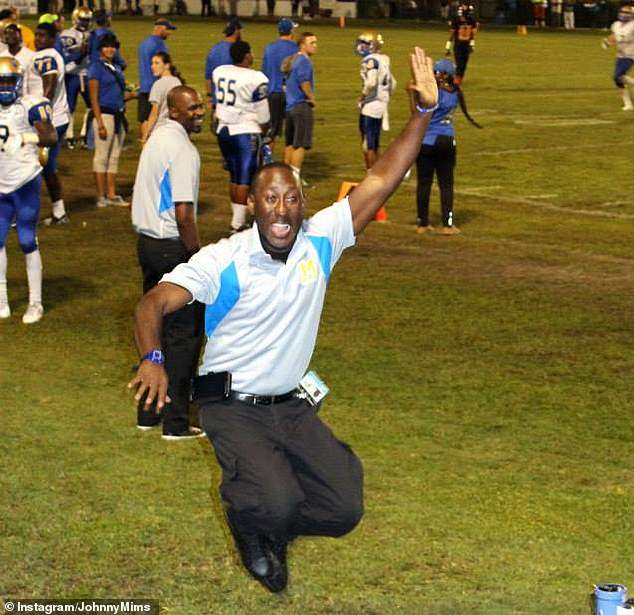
277	549
260	563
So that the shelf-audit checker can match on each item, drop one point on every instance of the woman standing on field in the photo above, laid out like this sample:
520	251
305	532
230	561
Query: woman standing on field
107	88
438	151
169	78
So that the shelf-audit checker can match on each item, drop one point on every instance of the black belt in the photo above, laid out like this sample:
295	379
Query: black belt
262	400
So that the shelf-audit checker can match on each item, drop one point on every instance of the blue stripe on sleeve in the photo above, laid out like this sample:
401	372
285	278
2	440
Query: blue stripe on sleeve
228	296
324	250
166	193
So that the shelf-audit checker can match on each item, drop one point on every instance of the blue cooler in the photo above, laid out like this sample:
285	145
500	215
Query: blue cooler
608	597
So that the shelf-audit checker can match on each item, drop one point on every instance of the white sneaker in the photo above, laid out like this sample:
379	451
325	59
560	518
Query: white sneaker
5	310
118	201
101	201
627	107
33	313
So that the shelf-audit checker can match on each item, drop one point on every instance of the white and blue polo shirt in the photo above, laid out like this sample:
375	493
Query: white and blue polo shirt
168	173
262	315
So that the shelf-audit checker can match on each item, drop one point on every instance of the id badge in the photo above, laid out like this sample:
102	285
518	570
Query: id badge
313	388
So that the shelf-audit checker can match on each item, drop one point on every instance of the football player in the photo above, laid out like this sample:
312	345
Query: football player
622	36
49	66
377	86
16	49
242	112
462	31
25	124
75	44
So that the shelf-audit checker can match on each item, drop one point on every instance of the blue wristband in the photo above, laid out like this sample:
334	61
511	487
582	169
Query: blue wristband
424	110
155	356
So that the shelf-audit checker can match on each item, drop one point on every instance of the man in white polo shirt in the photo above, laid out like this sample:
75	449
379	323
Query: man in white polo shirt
284	472
164	207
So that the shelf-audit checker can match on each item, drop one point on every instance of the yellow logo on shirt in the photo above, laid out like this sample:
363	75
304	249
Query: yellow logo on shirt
307	271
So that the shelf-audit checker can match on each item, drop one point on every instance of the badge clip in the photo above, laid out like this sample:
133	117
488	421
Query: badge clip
313	388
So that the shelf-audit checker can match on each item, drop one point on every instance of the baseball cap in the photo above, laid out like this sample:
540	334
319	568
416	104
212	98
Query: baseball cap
445	66
232	25
285	25
165	22
101	16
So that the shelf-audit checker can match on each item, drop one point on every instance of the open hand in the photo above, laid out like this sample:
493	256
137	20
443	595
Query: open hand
423	84
151	379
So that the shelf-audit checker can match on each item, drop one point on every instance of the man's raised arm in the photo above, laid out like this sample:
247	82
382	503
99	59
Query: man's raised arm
151	377
388	171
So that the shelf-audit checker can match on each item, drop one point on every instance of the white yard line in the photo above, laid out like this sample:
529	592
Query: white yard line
531	201
547	206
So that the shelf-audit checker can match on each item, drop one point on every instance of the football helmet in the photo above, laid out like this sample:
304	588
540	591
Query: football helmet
82	16
11	78
3	24
465	9
367	43
626	13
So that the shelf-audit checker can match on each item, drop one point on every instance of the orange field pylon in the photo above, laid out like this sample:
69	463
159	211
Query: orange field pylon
347	187
381	215
342	21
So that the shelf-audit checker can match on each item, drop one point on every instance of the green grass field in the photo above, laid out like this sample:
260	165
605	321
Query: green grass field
485	379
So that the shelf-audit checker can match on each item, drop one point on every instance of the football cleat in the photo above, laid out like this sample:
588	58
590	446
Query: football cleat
33	313
11	79
82	16
55	221
368	42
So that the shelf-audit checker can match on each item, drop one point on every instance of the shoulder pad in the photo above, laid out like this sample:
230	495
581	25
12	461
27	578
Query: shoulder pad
30	100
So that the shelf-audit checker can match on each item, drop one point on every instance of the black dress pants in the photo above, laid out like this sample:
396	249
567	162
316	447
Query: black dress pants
181	337
284	473
441	158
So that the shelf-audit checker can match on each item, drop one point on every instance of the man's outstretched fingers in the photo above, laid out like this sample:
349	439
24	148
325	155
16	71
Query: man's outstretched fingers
141	388
151	393
135	382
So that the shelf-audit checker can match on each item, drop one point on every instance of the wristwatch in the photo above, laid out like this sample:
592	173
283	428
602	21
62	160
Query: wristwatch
155	356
